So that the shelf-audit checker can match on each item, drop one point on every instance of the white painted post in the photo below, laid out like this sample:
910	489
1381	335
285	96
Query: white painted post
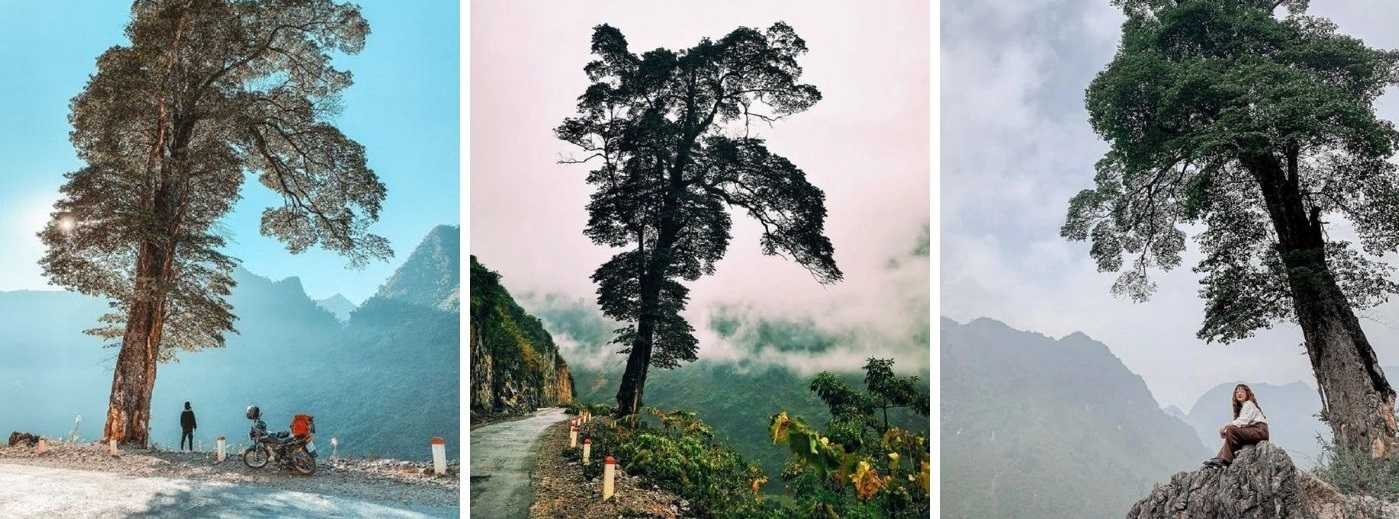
218	450
43	446
439	455
587	449
573	436
112	446
609	473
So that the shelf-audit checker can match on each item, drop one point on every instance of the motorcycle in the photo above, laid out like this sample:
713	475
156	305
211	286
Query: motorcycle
297	451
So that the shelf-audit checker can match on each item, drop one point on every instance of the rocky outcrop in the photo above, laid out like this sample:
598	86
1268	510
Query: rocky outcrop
516	367
563	382
1262	483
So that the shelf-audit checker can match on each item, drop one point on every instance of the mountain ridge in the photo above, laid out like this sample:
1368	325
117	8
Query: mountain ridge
395	364
1034	426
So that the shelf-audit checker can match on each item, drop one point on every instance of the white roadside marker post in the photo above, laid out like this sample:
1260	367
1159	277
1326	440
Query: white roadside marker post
112	446
587	449
218	450
439	455
609	472
573	436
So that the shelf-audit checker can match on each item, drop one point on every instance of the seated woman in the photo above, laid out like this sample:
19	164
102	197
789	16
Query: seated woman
1248	427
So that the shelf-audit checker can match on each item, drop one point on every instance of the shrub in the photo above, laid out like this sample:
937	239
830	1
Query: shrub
1355	472
680	456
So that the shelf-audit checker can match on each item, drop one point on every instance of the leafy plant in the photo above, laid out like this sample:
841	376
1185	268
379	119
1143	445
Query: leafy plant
853	422
851	470
1356	472
680	456
892	480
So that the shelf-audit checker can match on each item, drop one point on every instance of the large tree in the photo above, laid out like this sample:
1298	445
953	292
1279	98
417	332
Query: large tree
1254	124
670	133
206	93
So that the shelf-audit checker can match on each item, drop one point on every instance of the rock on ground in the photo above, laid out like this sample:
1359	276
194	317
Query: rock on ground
1262	483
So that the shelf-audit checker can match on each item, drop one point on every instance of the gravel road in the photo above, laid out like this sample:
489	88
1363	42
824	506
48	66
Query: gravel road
83	480
502	456
32	491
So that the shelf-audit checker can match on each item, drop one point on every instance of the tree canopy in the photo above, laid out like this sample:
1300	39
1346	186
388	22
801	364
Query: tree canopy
672	135
206	93
1203	101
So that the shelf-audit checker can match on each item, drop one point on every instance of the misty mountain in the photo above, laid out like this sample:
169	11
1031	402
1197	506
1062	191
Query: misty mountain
1175	412
431	277
515	365
1037	427
384	383
337	305
736	398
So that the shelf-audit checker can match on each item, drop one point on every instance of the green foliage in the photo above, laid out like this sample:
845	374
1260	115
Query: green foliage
1224	115
853	420
858	466
890	479
519	345
169	126
575	407
1356	472
748	397
681	457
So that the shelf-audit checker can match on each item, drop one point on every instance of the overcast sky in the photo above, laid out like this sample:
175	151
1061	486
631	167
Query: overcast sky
1016	146
402	108
866	144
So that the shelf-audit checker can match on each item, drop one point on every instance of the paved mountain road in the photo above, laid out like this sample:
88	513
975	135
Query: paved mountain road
502	456
32	491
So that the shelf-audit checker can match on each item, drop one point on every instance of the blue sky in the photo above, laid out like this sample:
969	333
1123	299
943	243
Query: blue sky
403	108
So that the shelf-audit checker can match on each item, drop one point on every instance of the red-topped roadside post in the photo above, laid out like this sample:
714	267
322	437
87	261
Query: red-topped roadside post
573	436
609	473
439	455
587	449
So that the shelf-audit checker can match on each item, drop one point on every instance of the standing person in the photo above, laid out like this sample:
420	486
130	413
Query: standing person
1248	427
187	425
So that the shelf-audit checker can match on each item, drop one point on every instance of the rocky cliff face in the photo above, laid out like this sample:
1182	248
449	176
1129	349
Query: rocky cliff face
1261	484
563	382
516	367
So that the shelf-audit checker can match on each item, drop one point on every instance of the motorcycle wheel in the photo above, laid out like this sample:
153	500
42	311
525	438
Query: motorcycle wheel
303	463
255	457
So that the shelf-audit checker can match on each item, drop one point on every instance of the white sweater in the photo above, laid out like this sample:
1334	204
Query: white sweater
1249	414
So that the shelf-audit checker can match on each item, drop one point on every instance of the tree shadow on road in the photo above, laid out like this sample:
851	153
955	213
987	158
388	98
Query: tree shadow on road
228	501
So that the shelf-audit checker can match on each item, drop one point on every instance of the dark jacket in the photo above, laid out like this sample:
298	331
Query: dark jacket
187	420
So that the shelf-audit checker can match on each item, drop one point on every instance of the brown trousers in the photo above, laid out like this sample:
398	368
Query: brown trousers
1236	438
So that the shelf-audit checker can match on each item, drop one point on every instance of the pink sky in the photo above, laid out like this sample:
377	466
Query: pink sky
866	144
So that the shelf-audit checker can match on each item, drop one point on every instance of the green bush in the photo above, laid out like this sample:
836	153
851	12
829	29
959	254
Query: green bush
1355	472
679	455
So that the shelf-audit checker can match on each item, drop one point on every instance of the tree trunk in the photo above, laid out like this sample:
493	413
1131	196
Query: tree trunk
658	265
133	379
1357	401
639	361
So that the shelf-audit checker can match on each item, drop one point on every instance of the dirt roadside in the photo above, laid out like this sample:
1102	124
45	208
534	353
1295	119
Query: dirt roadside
409	485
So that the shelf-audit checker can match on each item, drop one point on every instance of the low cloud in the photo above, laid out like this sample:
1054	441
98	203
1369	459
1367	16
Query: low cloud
884	315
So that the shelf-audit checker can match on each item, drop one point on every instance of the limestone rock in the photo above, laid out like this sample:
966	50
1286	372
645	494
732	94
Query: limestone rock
1262	483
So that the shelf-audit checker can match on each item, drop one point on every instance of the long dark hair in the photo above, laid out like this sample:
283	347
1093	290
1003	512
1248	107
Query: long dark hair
1248	393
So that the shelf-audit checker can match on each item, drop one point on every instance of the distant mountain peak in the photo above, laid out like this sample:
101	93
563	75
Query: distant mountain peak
338	305
431	276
